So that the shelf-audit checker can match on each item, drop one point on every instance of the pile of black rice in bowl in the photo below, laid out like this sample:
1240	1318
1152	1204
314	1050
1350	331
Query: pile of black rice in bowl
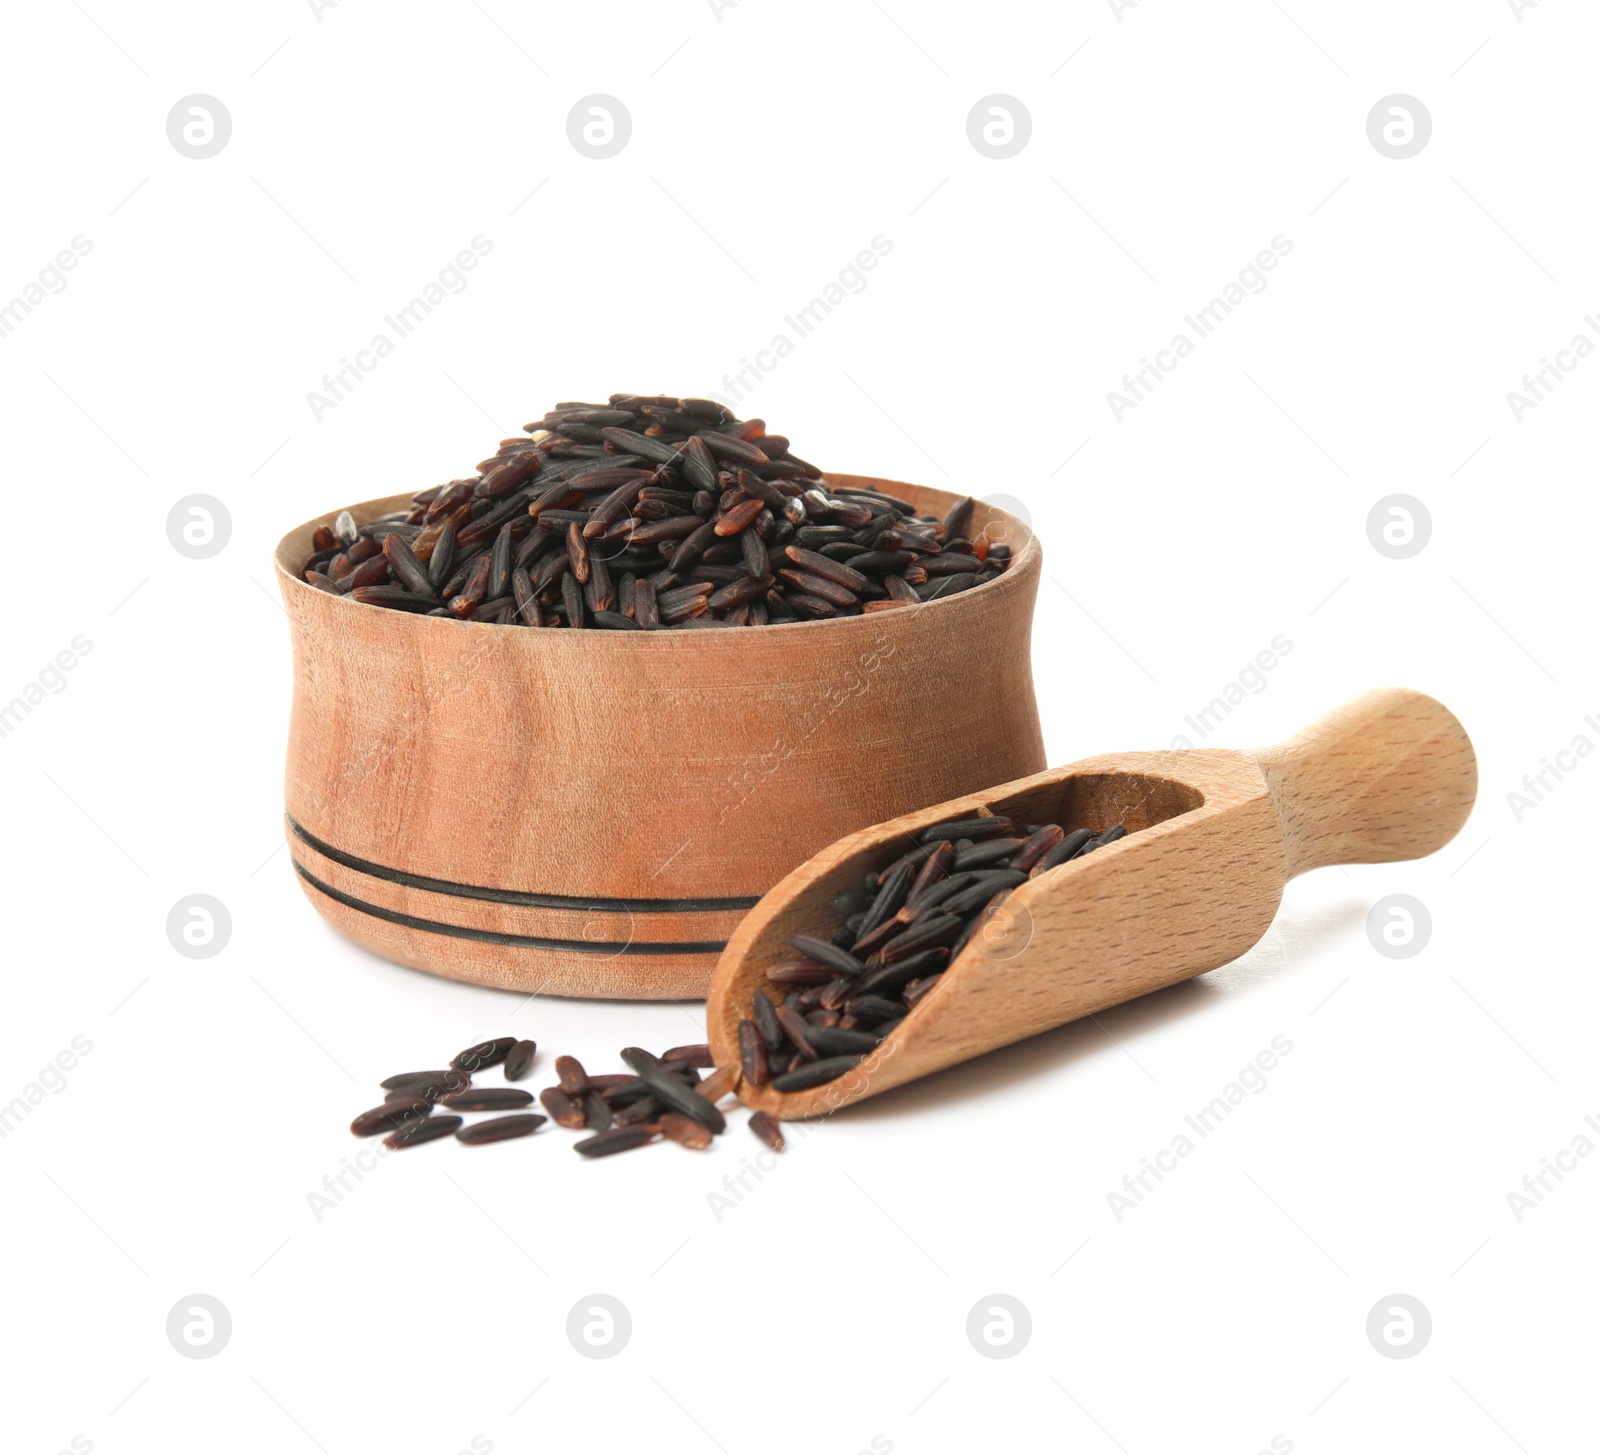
650	513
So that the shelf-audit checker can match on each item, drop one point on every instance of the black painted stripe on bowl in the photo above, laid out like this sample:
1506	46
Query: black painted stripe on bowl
521	942
514	896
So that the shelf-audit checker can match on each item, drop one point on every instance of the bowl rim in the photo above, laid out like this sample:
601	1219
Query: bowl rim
1026	564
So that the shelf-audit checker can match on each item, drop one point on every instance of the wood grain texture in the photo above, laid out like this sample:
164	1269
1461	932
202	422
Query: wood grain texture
612	766
1213	836
1390	775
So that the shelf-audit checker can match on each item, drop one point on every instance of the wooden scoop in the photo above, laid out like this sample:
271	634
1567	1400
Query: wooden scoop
1213	836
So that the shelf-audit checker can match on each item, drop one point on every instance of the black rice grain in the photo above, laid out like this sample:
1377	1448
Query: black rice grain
697	1053
753	1050
485	1053
570	1073
618	1139
388	1116
487	1098
685	1131
768	1130
562	1107
841	962
815	1073
831	1041
670	1091
500	1129
519	1060
432	1084
421	1129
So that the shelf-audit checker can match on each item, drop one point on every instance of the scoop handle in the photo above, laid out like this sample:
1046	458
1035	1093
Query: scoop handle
1390	775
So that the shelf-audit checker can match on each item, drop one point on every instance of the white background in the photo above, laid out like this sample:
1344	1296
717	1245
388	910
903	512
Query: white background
769	145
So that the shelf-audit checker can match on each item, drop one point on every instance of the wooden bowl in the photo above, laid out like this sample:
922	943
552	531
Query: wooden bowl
592	812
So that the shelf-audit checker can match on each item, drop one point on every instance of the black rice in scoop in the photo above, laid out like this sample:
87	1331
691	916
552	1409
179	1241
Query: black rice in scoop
844	994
